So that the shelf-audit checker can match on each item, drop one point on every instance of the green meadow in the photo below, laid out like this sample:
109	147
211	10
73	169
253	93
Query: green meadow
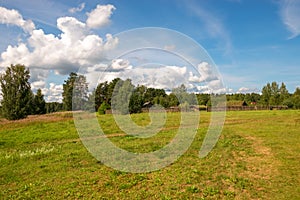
256	157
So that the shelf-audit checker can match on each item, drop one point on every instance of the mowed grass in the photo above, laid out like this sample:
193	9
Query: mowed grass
257	157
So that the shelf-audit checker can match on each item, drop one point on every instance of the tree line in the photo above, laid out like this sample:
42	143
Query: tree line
271	95
124	97
121	95
18	100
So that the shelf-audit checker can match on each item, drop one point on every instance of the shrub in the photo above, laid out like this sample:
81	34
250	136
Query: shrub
103	107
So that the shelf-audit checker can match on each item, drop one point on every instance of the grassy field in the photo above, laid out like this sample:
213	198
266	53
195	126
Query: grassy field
257	157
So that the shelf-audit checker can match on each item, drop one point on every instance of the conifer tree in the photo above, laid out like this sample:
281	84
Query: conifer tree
16	92
39	103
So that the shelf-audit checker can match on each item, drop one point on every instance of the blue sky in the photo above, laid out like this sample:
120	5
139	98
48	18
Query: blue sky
252	42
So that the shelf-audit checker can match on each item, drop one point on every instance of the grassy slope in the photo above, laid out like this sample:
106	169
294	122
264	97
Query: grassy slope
257	157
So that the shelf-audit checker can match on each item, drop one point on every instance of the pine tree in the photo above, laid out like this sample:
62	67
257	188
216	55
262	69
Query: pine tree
16	92
39	103
68	91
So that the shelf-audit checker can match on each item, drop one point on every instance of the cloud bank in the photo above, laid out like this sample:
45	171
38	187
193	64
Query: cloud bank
100	16
76	46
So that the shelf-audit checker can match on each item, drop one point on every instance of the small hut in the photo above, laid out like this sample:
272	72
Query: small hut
146	106
236	105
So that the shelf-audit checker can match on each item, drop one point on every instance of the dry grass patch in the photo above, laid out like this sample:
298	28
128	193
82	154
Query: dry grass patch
52	117
262	164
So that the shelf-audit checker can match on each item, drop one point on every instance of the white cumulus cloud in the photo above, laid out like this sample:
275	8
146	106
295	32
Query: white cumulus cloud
77	9
120	65
75	47
37	85
245	90
73	30
53	93
165	77
13	17
100	16
206	72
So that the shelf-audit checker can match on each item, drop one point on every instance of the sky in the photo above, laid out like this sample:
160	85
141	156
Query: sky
237	45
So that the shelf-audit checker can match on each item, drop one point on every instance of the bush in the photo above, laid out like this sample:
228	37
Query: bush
296	100
102	108
185	107
288	102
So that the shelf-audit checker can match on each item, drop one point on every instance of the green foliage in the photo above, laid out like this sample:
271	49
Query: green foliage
103	107
236	97
39	103
185	106
203	99
151	93
90	103
183	96
80	90
16	92
266	95
104	92
164	101
101	94
296	101
253	97
284	93
53	107
173	100
68	91
297	92
289	103
273	95
121	96
75	91
136	102
181	93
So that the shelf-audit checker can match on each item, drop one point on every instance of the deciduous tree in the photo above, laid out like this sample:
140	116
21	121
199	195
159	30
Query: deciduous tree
121	96
75	91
